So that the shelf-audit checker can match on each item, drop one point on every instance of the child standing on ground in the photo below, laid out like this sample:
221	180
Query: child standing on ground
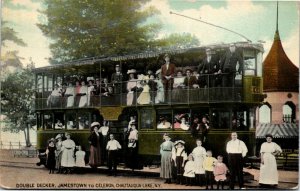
79	161
51	155
189	170
220	171
208	165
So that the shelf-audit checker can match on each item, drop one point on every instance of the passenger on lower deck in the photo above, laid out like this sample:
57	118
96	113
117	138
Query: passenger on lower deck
163	123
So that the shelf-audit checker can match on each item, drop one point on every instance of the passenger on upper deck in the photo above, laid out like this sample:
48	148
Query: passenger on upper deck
144	97
97	87
131	87
117	78
210	67
231	64
90	90
167	75
190	81
153	87
83	94
54	98
159	98
105	85
179	80
70	95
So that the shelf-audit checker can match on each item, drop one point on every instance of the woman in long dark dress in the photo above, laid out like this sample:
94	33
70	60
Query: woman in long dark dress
95	149
51	156
104	131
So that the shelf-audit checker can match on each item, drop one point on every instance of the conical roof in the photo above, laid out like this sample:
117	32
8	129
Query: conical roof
279	73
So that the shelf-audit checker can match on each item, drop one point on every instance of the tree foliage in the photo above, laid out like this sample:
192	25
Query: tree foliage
17	91
9	34
90	28
177	40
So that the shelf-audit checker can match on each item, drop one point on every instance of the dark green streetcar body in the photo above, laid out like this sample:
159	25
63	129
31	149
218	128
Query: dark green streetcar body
220	105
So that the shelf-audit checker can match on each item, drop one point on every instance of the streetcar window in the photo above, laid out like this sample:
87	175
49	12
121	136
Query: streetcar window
164	120
71	120
59	120
239	120
182	120
39	85
147	120
48	121
259	60
50	83
220	119
249	62
83	121
38	120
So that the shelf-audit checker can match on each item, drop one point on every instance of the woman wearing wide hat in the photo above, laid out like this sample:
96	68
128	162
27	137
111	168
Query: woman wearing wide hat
58	152
95	140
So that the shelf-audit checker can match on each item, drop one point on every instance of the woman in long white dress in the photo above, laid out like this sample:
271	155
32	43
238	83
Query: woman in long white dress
268	174
83	94
67	158
144	97
160	95
90	90
70	91
131	84
199	154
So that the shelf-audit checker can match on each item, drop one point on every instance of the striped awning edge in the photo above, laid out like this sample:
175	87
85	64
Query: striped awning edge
284	130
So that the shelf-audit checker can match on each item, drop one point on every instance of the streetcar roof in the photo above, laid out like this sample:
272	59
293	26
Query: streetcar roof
89	63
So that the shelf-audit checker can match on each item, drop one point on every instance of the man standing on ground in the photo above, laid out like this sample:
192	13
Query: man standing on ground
236	150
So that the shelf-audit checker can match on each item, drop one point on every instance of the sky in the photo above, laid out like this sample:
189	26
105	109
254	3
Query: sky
254	19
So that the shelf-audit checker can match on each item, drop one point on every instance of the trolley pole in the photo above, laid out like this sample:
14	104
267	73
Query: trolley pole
243	36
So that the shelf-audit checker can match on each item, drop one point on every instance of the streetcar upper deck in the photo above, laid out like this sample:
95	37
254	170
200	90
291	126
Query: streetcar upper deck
57	83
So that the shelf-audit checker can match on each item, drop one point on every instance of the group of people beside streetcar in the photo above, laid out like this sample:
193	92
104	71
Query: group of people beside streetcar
200	168
151	88
66	157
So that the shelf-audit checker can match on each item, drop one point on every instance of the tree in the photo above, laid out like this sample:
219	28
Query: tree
9	34
176	40
16	84
89	28
17	92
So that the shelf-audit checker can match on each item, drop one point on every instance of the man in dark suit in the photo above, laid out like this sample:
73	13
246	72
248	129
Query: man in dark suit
231	64
190	81
167	74
210	67
116	79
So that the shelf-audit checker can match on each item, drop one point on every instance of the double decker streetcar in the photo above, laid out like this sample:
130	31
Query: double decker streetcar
117	89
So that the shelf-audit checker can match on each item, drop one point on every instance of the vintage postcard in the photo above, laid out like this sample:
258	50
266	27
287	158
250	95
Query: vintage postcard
149	94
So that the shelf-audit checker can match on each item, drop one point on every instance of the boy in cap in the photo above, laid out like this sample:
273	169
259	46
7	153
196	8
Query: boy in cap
179	157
